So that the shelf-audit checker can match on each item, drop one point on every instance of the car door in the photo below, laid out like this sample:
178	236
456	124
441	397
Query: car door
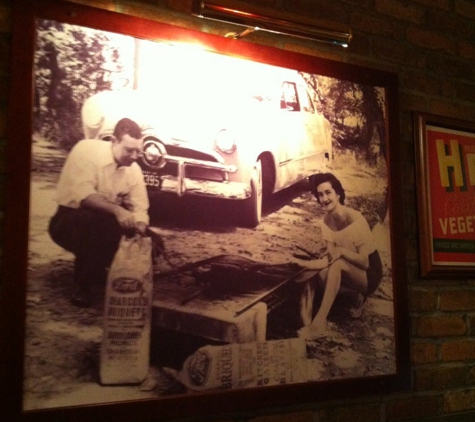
315	142
292	133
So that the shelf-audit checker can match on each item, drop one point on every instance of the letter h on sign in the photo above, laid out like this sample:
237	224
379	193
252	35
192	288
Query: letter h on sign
451	163
454	164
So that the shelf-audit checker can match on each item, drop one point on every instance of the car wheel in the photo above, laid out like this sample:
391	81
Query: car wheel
252	212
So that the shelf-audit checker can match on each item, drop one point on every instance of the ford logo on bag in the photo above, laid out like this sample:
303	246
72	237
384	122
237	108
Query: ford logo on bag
199	368
127	285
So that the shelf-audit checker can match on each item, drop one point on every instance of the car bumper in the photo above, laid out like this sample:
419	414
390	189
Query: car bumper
183	185
225	190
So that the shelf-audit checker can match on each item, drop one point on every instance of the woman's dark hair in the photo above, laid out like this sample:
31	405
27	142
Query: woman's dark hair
319	178
127	126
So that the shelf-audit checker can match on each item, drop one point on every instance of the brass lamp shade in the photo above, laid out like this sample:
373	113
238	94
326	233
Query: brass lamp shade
254	19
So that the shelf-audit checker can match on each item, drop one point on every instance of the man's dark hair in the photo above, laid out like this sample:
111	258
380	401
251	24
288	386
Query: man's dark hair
127	126
319	178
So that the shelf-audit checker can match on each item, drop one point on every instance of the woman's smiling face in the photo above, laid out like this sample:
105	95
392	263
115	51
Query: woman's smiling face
327	197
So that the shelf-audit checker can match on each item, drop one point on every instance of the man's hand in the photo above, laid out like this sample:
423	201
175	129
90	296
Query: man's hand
125	218
141	228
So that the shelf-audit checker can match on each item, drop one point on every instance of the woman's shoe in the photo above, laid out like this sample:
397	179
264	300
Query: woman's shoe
312	333
357	311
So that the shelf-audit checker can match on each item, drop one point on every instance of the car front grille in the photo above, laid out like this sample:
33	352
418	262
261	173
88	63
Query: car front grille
177	151
192	171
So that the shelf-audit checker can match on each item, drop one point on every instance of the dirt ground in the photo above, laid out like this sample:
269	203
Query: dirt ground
63	341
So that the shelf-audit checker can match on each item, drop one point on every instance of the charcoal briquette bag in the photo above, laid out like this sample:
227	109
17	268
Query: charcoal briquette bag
125	349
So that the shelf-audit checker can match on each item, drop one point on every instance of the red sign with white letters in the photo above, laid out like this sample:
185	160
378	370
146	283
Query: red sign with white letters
451	158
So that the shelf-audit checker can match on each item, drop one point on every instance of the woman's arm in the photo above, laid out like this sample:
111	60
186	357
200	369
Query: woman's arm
313	264
356	258
364	244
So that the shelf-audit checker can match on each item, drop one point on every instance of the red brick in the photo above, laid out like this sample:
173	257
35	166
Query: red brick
416	57
3	147
361	4
471	376
461	350
413	101
320	9
359	413
286	417
100	4
457	300
414	407
427	84
466	50
5	50
3	123
5	19
422	300
390	50
411	250
360	43
459	401
400	10
422	353
452	67
179	5
151	12
4	88
376	25
310	50
454	26
440	378
465	8
441	326
450	109
430	40
439	4
471	324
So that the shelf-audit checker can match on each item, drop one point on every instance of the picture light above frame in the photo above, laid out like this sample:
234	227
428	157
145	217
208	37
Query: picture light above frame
258	19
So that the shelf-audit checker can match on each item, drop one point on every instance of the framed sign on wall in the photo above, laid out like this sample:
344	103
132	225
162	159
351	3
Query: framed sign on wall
268	176
445	150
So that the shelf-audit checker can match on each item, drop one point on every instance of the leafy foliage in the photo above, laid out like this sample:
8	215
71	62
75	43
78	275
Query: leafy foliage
71	63
355	112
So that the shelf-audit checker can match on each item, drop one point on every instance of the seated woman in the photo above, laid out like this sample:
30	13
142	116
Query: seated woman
352	256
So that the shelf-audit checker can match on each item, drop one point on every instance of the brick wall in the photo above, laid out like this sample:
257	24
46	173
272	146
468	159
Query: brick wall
430	44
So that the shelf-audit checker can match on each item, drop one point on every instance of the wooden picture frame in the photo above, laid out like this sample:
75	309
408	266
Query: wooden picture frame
444	147
50	348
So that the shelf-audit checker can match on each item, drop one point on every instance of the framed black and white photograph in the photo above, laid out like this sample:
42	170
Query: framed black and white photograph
196	224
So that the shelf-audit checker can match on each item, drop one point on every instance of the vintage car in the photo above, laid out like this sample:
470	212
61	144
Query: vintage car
238	141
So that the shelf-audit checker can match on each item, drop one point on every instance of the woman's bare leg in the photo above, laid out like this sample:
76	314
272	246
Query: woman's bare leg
357	278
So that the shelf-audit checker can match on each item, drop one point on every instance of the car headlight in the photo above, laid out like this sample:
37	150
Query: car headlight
225	141
153	153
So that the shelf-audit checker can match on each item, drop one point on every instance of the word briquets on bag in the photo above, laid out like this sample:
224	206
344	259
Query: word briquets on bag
125	351
242	365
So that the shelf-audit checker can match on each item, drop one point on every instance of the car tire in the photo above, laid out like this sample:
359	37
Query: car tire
252	209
